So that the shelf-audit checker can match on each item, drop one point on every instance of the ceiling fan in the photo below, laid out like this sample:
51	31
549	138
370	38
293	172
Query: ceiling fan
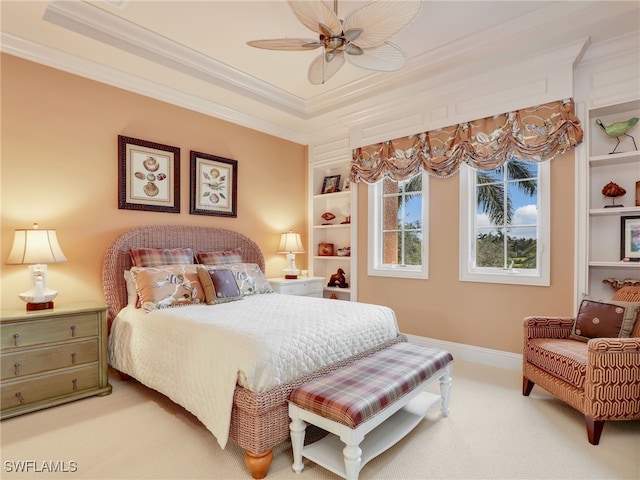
361	38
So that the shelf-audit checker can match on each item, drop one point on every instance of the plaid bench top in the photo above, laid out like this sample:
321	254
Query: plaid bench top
352	394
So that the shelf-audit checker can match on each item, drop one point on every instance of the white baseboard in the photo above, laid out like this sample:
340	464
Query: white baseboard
470	353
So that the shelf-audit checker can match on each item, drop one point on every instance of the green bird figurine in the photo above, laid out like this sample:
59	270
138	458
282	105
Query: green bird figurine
617	129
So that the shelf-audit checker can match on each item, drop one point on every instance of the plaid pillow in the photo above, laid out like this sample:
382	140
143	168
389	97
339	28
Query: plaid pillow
220	258
154	257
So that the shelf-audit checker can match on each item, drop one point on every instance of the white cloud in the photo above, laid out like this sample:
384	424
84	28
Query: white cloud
525	215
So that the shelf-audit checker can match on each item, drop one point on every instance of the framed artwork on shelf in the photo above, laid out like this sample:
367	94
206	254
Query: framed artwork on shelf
331	184
214	185
630	238
346	184
148	176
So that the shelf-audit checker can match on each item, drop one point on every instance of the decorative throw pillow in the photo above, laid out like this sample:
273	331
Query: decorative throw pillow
219	285
249	278
220	258
604	319
132	294
168	286
155	257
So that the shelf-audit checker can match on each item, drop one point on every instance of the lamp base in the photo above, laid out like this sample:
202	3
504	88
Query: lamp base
290	277
39	306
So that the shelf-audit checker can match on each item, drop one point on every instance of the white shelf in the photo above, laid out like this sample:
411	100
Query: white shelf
337	289
621	158
601	226
333	195
342	204
595	212
618	264
333	225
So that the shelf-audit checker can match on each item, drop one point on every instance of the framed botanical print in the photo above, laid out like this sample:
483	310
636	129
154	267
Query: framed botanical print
148	176
214	185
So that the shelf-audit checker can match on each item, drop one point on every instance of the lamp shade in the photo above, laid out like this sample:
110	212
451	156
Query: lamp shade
34	246
290	243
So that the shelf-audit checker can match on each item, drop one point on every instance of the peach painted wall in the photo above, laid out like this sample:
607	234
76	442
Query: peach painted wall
60	169
481	314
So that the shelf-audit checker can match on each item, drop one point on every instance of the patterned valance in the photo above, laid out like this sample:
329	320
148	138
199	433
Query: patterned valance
534	134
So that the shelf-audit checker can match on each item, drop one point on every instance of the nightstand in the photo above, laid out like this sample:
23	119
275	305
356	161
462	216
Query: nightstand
49	357
302	286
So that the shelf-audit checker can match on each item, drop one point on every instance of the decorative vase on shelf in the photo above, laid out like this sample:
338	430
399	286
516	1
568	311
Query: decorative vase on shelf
613	190
327	217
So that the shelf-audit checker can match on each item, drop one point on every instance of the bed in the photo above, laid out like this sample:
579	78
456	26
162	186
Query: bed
254	407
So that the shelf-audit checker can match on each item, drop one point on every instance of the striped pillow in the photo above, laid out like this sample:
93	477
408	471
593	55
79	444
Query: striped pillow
154	257
225	257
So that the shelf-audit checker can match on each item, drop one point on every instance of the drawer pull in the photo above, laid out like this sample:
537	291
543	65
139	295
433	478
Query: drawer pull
16	337
17	368
19	395
73	330
75	384
73	358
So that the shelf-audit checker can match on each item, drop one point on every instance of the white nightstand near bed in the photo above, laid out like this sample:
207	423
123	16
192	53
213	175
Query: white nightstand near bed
302	286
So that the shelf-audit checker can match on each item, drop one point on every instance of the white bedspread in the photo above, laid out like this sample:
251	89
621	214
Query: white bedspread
195	355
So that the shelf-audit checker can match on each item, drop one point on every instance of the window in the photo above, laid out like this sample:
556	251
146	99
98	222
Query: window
398	227
504	224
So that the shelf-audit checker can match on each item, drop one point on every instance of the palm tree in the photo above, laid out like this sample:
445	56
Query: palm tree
491	195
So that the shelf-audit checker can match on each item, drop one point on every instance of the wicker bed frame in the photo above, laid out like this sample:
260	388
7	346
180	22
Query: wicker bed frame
259	422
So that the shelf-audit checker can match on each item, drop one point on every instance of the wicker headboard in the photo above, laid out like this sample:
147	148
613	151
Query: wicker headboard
204	239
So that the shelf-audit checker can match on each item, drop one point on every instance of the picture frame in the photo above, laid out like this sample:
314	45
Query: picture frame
148	175
214	185
630	238
331	184
346	184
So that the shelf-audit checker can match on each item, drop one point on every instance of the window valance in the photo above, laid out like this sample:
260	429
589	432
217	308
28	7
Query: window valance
535	134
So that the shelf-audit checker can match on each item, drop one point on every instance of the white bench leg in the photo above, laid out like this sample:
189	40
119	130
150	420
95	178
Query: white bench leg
352	460
298	428
445	389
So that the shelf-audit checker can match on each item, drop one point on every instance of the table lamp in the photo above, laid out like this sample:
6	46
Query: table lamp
36	248
291	244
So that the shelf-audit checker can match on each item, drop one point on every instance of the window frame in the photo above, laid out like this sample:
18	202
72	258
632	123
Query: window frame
468	210
375	267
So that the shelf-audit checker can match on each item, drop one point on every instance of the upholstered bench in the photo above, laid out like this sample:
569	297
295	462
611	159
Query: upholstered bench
384	391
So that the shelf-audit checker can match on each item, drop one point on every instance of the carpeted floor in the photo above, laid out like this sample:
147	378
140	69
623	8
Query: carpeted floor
493	432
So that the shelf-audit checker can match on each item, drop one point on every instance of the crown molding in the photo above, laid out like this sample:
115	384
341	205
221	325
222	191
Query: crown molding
93	22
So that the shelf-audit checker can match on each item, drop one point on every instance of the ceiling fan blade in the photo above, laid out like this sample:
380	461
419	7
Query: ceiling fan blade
291	44
379	21
385	58
320	71
353	49
313	13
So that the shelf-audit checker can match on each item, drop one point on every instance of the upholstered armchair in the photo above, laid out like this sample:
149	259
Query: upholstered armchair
599	377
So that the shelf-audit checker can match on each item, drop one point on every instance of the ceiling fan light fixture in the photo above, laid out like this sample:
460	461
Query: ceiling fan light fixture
362	35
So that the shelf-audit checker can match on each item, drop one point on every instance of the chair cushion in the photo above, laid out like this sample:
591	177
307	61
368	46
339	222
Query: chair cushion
562	358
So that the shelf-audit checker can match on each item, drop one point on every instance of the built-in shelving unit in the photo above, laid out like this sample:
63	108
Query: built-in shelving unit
604	223
338	232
